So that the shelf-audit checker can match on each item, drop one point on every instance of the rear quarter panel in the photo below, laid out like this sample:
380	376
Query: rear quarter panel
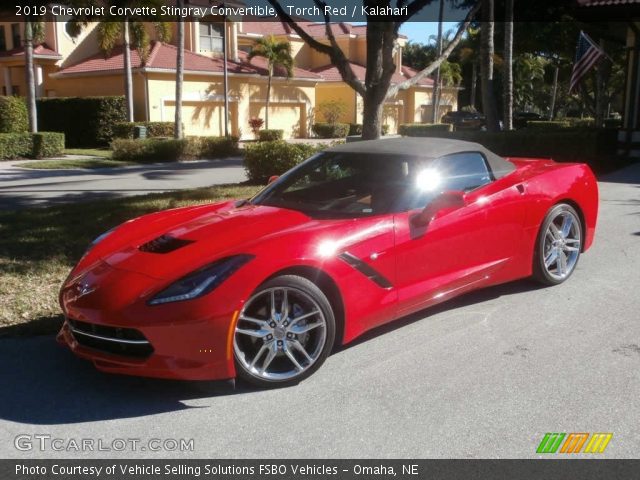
548	183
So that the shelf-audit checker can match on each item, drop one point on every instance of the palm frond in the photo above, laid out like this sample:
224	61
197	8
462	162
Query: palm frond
108	35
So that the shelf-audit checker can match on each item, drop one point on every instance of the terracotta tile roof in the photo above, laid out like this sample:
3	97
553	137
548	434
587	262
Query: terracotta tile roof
331	74
40	50
270	27
163	57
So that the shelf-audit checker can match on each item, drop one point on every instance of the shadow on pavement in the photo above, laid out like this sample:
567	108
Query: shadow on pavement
48	385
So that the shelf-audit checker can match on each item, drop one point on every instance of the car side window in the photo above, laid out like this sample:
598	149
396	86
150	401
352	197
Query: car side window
463	171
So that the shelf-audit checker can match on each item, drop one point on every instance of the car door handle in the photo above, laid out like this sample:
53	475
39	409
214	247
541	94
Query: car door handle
520	188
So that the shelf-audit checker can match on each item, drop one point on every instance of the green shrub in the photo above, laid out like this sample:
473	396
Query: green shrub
47	144
596	147
154	129
13	115
331	130
263	159
216	147
332	110
85	121
547	125
270	135
423	129
31	145
576	122
152	150
172	150
355	129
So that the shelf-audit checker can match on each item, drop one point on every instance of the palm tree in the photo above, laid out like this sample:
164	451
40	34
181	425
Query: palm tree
179	75
486	65
508	66
436	80
33	33
277	54
110	33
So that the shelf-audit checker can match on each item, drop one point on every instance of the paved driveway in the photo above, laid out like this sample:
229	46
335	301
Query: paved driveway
486	375
21	187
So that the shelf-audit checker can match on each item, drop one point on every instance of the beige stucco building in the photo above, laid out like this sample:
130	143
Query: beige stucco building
74	66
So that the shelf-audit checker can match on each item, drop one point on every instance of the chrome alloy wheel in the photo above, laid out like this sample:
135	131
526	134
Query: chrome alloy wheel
562	244
280	334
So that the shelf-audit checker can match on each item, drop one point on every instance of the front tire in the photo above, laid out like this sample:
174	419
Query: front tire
284	332
558	245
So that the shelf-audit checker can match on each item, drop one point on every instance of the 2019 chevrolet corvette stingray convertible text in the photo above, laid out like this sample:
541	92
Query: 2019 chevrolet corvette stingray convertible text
354	237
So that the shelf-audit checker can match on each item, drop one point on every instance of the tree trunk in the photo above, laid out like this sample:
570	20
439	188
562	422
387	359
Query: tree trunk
30	77
486	66
179	75
371	118
554	92
266	113
474	83
508	66
128	80
436	80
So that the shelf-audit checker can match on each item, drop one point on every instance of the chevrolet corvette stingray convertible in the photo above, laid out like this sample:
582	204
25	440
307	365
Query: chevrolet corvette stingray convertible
352	238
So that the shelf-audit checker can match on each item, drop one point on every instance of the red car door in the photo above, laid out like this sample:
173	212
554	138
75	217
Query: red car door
461	248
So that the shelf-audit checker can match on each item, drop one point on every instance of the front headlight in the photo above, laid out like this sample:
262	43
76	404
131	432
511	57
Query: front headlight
201	281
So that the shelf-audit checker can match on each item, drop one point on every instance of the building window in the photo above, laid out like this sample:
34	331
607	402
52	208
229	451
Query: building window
16	35
211	36
3	40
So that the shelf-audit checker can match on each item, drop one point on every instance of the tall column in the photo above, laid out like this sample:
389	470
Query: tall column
7	81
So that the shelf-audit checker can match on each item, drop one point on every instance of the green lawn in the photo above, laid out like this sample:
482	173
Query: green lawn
39	246
70	164
89	152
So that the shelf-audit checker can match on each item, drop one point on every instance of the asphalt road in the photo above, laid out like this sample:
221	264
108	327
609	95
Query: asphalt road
486	375
21	187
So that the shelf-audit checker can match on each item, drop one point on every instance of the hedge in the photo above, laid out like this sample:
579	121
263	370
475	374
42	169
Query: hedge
31	145
269	135
423	129
356	129
548	125
331	130
264	159
171	150
13	115
596	147
85	121
154	129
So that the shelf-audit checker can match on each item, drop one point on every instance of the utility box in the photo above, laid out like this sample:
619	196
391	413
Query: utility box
139	131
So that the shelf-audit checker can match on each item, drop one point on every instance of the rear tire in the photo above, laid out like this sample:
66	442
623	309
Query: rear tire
284	332
558	245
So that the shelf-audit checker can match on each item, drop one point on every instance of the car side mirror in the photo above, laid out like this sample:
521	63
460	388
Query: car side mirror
272	179
442	204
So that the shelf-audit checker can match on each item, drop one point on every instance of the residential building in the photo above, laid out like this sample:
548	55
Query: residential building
74	66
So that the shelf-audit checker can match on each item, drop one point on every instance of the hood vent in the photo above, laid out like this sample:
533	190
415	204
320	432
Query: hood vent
164	244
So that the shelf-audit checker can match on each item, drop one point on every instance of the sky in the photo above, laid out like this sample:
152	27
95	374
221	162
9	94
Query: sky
419	32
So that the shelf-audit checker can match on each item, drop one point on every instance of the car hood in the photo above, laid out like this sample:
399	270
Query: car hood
170	245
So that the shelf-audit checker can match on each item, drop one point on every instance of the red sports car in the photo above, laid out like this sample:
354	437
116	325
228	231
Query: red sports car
354	237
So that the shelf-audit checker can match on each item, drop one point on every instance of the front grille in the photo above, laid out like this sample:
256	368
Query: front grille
127	342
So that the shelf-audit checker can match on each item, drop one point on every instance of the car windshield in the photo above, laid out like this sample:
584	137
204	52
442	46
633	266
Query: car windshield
348	185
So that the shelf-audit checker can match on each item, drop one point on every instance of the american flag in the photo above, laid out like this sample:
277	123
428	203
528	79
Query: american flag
587	55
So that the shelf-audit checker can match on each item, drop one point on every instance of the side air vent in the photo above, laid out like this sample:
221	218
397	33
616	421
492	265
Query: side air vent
164	244
365	269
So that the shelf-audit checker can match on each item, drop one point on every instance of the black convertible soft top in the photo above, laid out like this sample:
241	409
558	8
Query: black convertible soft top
426	148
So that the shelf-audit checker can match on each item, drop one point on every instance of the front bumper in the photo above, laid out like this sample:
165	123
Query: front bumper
113	327
182	354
